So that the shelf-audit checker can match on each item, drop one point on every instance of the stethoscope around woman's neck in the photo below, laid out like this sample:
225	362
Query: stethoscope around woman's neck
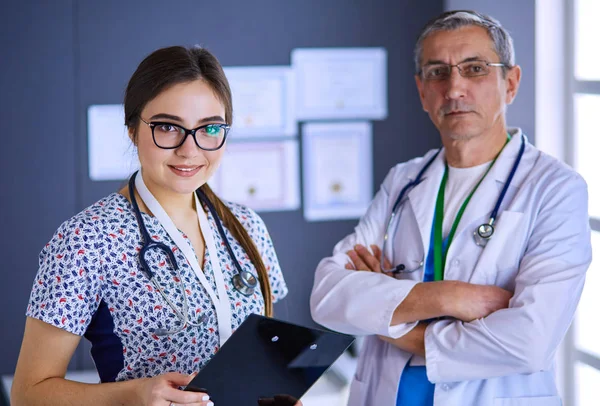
244	282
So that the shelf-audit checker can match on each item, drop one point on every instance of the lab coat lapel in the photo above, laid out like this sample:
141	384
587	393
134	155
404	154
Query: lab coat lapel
485	197
422	197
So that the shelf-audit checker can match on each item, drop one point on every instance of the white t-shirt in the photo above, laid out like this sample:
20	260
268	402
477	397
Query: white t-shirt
460	183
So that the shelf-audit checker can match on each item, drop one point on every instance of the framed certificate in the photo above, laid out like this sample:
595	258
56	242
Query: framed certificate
111	154
340	83
338	170
261	175
263	101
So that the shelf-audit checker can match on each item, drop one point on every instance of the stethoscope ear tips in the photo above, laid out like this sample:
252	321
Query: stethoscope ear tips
160	331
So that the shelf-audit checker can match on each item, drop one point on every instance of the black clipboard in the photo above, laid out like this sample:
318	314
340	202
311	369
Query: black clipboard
268	362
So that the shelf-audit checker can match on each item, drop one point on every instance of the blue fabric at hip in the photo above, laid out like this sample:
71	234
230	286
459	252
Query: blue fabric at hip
414	388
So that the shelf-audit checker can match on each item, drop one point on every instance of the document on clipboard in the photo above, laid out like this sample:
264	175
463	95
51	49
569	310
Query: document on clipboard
269	362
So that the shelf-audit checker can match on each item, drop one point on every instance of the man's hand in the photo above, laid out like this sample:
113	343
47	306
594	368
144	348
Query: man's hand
363	260
468	302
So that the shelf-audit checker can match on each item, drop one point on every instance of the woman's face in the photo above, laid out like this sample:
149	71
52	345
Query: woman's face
168	172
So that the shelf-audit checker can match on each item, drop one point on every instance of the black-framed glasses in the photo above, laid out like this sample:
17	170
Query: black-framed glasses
467	69
209	137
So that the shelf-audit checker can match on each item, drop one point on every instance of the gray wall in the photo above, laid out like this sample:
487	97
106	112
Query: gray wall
59	57
38	159
518	17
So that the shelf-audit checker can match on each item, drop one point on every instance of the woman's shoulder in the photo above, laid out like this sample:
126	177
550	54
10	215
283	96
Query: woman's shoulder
246	216
102	215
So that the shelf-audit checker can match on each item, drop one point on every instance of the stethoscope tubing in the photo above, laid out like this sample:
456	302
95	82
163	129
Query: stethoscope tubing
148	244
410	185
508	182
482	239
247	286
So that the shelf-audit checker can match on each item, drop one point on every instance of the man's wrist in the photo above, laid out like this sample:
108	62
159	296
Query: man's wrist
449	296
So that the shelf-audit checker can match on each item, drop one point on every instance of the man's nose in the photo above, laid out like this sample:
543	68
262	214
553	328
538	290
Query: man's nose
456	84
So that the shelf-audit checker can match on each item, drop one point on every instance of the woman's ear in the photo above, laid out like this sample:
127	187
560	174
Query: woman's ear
131	133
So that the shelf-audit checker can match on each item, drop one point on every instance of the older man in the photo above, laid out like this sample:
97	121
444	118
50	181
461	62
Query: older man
465	272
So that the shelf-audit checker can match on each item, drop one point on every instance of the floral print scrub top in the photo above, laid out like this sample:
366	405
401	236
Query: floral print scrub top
89	283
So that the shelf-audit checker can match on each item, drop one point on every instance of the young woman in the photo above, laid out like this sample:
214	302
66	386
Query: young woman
158	275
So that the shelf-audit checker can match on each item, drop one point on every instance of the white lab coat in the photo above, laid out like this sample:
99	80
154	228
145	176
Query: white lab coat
540	251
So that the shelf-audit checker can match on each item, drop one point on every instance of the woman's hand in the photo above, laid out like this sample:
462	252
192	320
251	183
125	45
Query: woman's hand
163	390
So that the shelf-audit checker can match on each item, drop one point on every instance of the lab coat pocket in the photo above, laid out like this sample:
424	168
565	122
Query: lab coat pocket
529	401
406	248
499	261
358	393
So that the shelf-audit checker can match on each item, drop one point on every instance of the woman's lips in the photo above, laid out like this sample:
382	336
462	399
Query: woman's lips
184	170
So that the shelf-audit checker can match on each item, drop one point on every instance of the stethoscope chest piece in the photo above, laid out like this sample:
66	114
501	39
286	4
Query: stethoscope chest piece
245	283
483	234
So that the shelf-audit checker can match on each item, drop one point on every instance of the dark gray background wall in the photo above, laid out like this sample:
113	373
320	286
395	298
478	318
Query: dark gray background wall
57	58
38	158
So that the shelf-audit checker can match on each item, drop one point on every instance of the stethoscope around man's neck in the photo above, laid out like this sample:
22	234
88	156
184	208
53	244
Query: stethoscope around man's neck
482	234
244	282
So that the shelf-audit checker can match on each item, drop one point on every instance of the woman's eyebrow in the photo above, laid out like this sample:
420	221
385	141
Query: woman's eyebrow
180	120
167	116
212	118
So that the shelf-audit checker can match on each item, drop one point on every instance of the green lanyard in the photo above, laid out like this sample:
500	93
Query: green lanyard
439	253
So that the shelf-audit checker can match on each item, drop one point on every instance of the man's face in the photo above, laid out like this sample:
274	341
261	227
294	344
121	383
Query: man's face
465	107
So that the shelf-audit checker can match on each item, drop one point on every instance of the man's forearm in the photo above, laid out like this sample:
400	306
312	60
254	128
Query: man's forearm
430	300
413	341
427	300
460	300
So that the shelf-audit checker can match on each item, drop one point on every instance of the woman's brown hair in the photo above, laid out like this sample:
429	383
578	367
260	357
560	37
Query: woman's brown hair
166	67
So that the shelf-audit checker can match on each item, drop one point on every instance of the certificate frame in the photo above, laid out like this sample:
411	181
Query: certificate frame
251	83
111	154
272	164
326	83
359	175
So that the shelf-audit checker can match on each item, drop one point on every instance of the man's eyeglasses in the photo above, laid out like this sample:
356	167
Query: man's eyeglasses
467	69
209	137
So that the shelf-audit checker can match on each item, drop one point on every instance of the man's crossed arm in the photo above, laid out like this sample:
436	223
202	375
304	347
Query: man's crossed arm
429	300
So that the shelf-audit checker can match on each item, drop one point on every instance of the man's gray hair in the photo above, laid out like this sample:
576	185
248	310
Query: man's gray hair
452	20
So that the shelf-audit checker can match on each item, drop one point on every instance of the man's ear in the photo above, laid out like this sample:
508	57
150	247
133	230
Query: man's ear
513	79
419	83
